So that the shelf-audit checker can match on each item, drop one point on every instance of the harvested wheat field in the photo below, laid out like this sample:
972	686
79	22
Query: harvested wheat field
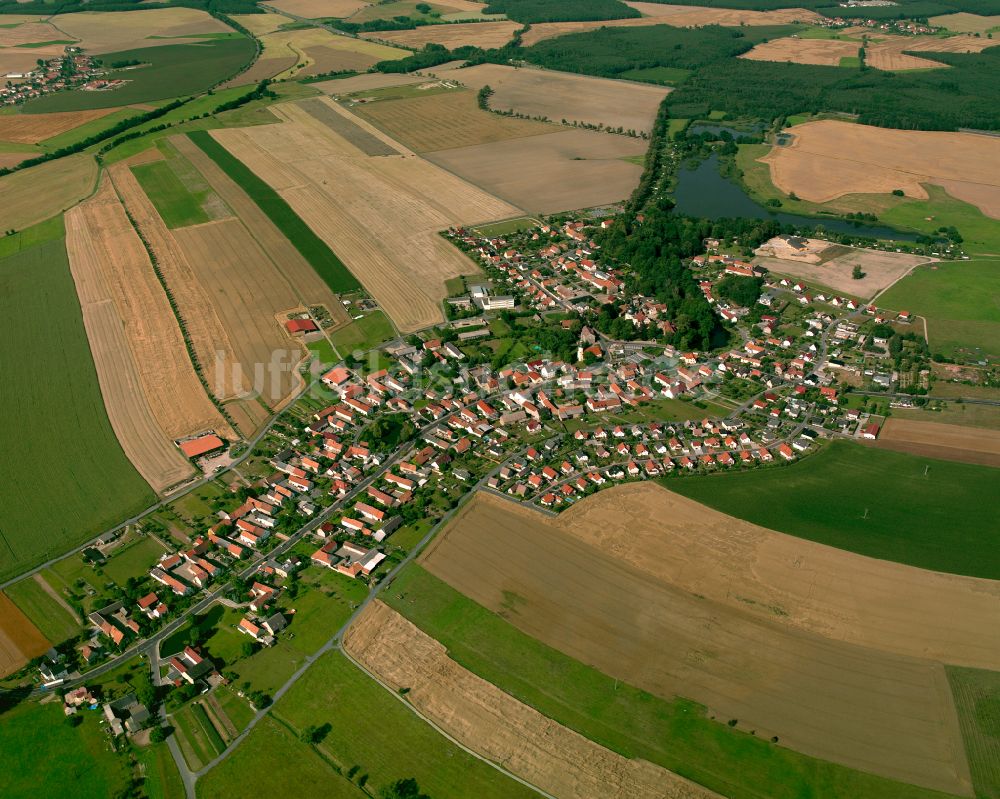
315	9
561	171
824	52
111	31
20	640
948	441
444	121
965	23
28	32
261	69
863	707
149	385
828	159
33	128
496	725
367	82
248	292
259	24
212	345
836	267
8	160
40	192
561	95
381	214
317	50
486	35
677	16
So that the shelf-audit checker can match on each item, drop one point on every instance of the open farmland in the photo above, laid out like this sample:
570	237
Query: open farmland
149	385
33	128
966	23
881	269
560	171
947	441
677	16
486	35
20	640
885	713
827	159
50	383
496	725
315	9
977	695
101	32
367	82
874	502
180	194
317	50
41	192
341	193
828	52
445	120
565	96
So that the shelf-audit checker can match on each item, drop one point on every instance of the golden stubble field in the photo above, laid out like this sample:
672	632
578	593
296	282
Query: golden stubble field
478	34
963	22
936	440
110	31
680	600
39	193
380	214
677	16
149	385
33	128
317	50
563	95
827	159
20	640
496	725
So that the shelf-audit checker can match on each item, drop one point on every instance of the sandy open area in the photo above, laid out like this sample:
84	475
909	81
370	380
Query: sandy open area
611	582
937	440
965	23
562	95
445	121
381	214
149	385
478	34
111	31
561	171
836	266
496	725
40	192
20	640
828	158
677	16
33	128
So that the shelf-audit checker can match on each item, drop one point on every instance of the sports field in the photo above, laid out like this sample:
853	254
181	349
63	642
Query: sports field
881	504
960	301
884	713
677	734
495	724
50	385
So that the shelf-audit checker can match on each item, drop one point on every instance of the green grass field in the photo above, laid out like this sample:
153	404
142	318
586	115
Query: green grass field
163	781
65	475
363	334
977	699
981	233
41	755
134	560
312	247
500	229
177	204
961	300
398	746
200	741
238	710
850	62
674	734
923	512
46	614
172	70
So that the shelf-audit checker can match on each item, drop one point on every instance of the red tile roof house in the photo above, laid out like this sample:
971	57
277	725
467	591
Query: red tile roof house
296	326
202	445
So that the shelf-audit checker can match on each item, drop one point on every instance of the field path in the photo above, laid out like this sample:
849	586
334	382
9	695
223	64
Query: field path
48	589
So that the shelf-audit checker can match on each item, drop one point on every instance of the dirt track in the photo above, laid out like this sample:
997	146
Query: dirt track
877	711
936	440
497	726
20	640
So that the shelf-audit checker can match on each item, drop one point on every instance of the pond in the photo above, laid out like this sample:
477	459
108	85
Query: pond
701	191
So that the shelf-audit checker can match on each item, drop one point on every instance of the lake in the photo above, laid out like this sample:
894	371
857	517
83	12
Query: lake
701	191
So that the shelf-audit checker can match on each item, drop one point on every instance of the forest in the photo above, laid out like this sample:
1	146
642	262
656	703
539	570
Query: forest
560	11
48	7
902	9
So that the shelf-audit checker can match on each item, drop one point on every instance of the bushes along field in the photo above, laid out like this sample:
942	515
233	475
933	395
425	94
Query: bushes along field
312	247
923	512
65	474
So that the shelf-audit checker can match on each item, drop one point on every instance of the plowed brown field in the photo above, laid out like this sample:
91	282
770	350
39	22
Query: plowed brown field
20	640
33	128
380	214
828	159
936	440
496	725
864	707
